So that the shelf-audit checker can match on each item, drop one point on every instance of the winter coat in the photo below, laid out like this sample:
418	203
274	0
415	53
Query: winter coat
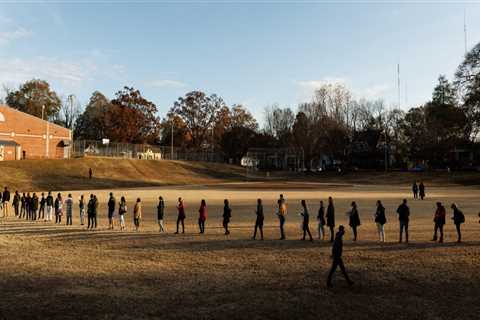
331	215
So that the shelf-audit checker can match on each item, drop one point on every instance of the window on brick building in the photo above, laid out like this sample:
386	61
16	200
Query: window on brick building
2	117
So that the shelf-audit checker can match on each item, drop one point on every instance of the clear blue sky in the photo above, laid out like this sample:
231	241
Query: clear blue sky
251	53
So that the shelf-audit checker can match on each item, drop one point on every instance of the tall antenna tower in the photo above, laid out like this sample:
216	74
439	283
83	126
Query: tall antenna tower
465	28
398	85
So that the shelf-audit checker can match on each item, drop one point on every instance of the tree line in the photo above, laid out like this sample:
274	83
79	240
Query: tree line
333	125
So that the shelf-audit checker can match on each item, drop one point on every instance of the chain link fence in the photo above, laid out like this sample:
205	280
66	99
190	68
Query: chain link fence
88	148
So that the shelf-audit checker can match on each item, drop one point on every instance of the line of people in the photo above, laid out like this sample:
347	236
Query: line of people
31	207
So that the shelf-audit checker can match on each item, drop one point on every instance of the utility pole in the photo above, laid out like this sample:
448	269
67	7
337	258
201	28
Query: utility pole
171	148
465	28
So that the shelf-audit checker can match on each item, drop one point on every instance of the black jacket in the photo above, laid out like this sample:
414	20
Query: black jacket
403	212
337	248
354	220
111	204
458	216
6	196
321	216
160	209
331	215
227	213
50	200
259	212
380	215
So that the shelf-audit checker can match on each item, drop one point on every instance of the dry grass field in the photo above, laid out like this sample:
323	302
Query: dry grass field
50	271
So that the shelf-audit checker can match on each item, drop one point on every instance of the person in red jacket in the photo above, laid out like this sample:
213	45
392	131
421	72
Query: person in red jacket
202	216
439	221
181	215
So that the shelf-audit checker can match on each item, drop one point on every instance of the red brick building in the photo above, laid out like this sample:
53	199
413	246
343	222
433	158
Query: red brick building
23	136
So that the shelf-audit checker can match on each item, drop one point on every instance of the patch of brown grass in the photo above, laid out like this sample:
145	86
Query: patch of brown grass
50	271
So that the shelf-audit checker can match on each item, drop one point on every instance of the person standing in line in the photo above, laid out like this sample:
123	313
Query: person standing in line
259	220
41	211
22	208
380	220
306	221
122	210
321	221
331	218
6	202
160	214
81	209
282	212
421	190
227	215
96	204
354	220
181	215
49	201
458	218
439	220
34	206
69	209
90	209
337	261
90	173
403	218
111	211
16	203
58	208
415	190
202	216
28	206
137	214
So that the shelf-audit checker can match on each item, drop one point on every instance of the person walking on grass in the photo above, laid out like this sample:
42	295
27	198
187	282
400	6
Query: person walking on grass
49	203
439	221
160	214
403	212
337	261
41	211
227	215
306	221
259	220
181	215
354	220
421	190
380	220
58	208
321	221
81	209
35	205
111	211
202	216
69	209
16	203
6	202
415	190
331	218
122	211
137	214
458	218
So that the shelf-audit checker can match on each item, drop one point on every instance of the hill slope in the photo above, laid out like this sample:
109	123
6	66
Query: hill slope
72	174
